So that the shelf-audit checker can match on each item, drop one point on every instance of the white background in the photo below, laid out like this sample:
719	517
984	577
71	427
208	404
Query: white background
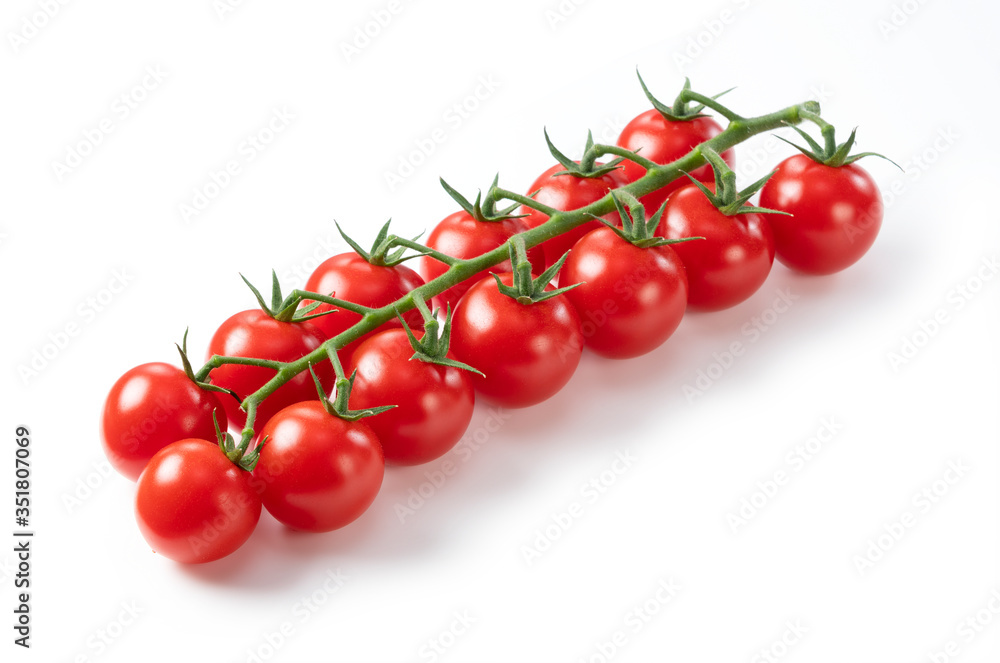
917	78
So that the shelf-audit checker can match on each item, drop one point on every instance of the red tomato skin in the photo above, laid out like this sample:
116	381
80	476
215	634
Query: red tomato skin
149	407
836	214
317	472
631	299
434	402
350	277
567	193
253	333
193	505
733	260
527	352
663	141
461	236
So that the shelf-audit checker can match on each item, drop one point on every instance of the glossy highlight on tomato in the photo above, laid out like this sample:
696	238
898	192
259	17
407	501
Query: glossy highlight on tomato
151	406
193	504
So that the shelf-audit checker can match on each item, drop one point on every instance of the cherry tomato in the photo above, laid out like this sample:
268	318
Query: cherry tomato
317	472
253	333
434	402
352	278
193	504
462	236
151	406
632	299
836	214
661	140
733	260
528	352
566	193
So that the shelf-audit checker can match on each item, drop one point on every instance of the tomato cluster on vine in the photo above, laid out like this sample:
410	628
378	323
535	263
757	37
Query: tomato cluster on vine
375	364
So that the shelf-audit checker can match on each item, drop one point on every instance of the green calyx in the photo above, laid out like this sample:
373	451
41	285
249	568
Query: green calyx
636	229
830	153
189	371
237	453
528	290
339	407
381	253
285	309
432	347
680	111
727	197
587	167
484	211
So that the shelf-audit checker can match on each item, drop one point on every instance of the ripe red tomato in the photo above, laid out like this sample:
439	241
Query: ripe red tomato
352	278
567	193
632	299
193	504
462	236
253	333
434	402
661	140
528	352
317	472
733	260
151	406
836	214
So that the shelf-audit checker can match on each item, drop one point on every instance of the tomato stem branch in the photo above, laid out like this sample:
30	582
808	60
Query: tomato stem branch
559	222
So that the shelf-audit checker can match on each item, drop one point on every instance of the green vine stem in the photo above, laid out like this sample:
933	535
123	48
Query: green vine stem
656	177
